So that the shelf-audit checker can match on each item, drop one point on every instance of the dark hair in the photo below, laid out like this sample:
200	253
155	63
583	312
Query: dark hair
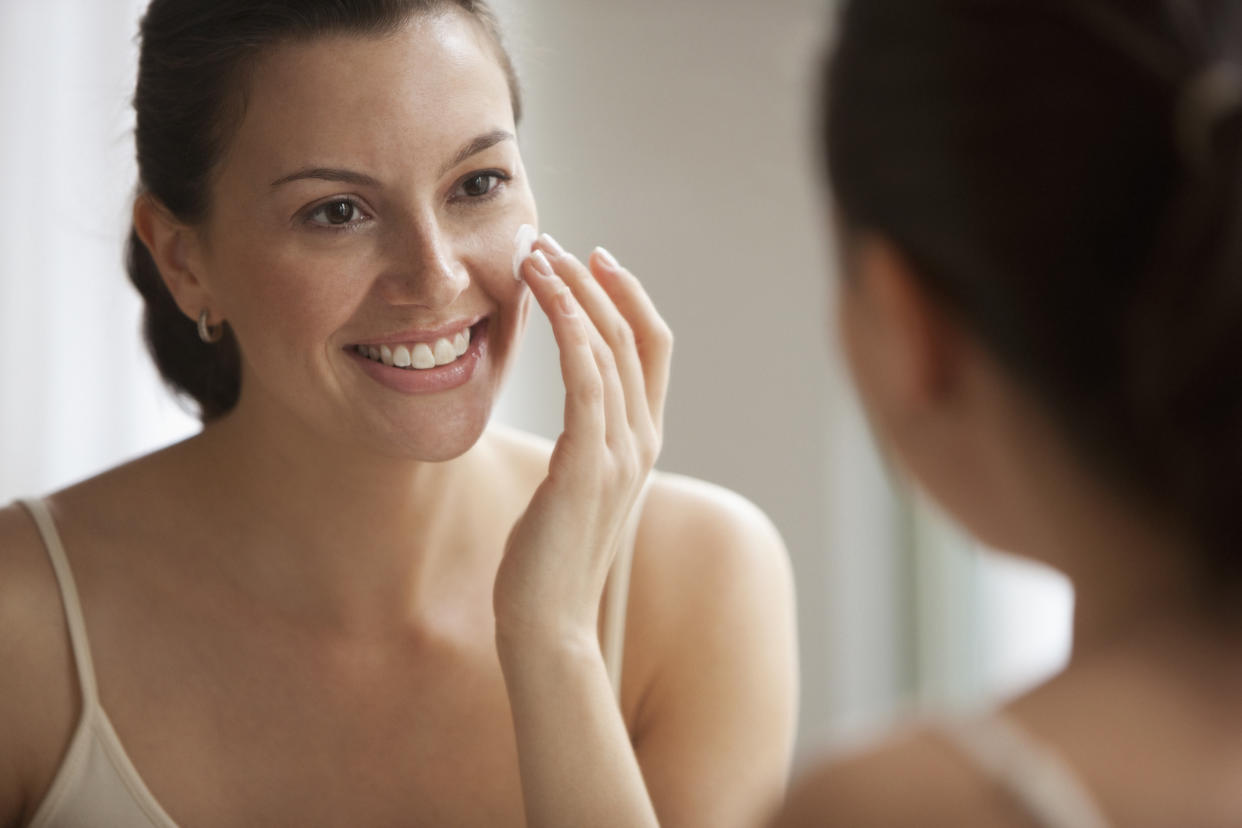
189	98
1063	185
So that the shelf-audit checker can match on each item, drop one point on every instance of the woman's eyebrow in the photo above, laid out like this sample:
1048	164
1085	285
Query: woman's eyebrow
484	141
329	174
474	147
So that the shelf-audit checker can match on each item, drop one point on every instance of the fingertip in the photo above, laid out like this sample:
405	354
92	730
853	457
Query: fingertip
540	266
609	261
551	245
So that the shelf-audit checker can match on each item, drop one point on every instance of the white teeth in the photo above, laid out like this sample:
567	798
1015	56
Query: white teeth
423	357
444	352
420	356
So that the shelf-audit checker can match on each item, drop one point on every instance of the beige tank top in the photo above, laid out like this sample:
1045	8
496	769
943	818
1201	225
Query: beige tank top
97	786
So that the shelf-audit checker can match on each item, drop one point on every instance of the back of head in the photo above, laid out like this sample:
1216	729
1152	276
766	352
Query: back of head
1066	179
190	97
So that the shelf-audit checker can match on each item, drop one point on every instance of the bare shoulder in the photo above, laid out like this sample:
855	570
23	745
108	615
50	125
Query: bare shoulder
704	550
711	518
712	673
38	696
911	779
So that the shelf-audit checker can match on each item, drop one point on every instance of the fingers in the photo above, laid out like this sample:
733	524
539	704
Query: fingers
612	327
584	384
653	340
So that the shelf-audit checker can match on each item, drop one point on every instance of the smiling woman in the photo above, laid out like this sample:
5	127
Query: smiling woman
350	600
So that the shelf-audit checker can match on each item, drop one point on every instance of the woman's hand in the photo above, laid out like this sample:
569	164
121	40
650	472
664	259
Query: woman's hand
615	354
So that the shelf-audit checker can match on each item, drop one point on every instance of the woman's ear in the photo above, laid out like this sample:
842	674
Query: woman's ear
912	348
175	248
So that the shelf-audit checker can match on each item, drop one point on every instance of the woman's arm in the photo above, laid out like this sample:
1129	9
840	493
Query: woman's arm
576	762
715	720
711	671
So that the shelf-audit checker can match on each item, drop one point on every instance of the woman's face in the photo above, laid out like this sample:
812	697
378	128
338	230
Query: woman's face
369	200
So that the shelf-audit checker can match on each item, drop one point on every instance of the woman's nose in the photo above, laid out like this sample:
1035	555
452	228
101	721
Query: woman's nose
425	271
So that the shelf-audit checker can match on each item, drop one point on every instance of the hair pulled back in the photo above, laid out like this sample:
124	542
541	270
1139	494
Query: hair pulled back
1065	186
190	97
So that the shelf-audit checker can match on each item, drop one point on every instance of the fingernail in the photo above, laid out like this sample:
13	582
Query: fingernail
522	242
552	244
608	258
542	264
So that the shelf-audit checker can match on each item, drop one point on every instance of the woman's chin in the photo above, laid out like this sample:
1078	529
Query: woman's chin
439	440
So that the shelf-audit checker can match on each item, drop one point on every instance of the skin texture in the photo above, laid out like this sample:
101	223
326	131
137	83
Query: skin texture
1146	711
321	604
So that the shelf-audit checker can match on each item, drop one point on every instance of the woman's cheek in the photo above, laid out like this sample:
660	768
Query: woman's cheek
302	298
490	257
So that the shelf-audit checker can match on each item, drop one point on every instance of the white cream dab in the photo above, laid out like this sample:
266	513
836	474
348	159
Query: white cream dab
523	241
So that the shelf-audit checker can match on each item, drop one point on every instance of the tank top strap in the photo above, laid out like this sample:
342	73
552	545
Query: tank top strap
1035	776
69	599
617	593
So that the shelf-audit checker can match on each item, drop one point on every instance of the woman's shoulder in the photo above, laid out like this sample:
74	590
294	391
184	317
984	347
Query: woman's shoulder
709	523
37	692
30	604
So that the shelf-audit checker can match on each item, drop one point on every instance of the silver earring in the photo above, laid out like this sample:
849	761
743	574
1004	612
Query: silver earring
206	332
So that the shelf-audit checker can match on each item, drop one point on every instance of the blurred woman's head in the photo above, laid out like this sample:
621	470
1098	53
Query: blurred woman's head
1063	182
332	180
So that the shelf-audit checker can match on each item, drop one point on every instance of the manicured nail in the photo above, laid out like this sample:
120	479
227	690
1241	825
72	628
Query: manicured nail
552	244
608	258
542	265
522	242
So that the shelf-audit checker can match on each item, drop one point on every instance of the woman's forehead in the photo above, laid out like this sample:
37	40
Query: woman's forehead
414	94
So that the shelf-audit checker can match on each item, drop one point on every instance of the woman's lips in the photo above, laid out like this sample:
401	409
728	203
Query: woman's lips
429	335
413	380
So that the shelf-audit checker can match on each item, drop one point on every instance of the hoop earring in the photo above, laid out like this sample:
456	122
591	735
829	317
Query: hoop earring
207	333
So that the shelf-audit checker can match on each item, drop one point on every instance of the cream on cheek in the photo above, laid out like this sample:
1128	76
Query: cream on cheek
488	247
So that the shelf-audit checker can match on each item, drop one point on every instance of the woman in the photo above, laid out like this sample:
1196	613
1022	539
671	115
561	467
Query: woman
1041	214
349	601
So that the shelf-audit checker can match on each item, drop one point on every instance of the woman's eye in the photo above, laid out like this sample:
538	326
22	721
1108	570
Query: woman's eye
481	184
339	213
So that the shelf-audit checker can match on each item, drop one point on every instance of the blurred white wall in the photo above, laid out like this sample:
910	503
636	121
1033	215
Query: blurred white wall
77	391
677	135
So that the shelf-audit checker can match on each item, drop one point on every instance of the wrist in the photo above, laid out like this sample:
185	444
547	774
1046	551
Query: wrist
543	647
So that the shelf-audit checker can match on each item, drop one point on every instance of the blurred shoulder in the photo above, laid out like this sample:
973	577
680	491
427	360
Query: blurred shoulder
915	778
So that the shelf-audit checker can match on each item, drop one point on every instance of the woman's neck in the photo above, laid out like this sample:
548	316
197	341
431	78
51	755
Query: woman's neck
333	533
